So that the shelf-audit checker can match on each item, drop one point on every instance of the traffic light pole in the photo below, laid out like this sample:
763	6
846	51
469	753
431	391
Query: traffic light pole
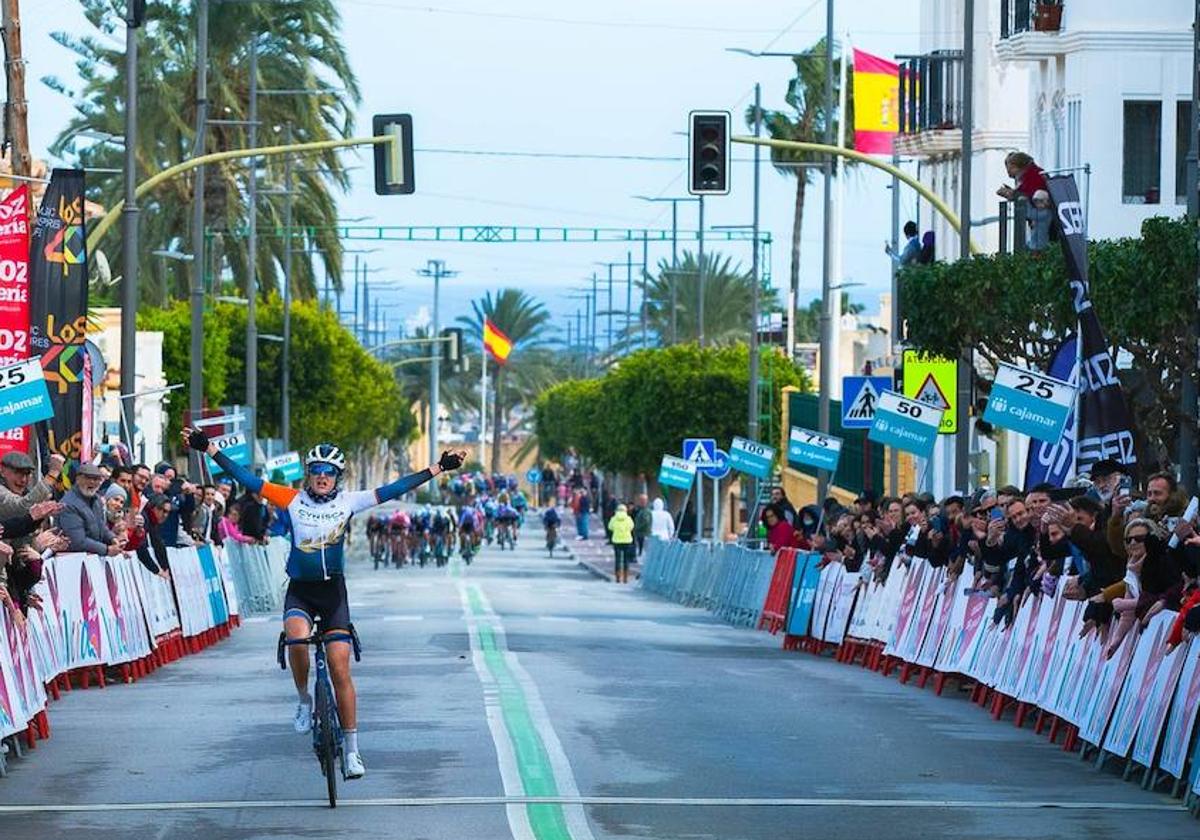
129	237
437	270
700	293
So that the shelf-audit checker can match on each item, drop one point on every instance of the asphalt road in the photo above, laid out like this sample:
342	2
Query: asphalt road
522	676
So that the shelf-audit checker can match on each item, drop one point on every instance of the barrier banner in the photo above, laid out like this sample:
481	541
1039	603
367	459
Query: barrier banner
935	637
80	616
14	296
1020	646
844	599
1101	694
831	576
934	584
1148	658
114	645
1178	734
224	565
158	602
804	593
12	716
213	585
58	306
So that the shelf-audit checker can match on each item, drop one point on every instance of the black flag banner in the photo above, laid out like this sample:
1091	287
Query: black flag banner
1104	426
58	306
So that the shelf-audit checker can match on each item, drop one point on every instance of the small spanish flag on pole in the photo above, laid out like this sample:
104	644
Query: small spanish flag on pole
876	103
497	343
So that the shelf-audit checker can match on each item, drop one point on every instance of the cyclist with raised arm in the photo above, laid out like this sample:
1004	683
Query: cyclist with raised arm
316	589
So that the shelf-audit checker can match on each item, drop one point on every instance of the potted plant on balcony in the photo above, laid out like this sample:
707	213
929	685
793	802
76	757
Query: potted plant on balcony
1047	15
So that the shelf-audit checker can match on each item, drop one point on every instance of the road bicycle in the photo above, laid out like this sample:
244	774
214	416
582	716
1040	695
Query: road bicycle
326	727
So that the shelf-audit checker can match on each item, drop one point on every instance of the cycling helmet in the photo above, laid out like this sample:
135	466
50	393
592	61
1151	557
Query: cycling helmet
326	453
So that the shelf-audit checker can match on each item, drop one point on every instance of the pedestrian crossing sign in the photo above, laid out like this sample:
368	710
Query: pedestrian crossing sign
933	381
860	396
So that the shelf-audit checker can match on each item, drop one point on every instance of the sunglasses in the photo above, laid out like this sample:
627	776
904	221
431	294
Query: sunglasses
1136	538
323	469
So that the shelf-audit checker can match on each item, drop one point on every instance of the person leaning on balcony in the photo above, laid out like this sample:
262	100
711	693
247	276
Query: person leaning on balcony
912	248
1028	176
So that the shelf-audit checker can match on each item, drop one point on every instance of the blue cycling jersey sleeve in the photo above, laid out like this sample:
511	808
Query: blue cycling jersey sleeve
402	485
247	479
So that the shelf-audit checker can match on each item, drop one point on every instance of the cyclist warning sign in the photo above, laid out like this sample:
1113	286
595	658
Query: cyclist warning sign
932	380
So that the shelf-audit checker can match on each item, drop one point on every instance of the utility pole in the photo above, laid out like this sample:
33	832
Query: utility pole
700	289
962	440
645	268
285	398
826	366
674	270
752	420
129	214
14	71
196	399
1187	388
252	256
609	313
629	298
437	270
893	452
595	306
363	335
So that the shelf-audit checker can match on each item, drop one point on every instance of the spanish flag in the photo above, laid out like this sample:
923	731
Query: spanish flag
876	103
496	342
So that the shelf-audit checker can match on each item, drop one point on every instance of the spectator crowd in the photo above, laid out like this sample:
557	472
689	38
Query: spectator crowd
109	507
1130	554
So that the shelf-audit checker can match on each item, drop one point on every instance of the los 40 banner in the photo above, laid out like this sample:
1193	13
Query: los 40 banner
58	308
14	297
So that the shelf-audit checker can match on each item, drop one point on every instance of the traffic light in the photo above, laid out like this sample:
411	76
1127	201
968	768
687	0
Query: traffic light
452	346
135	13
708	162
393	161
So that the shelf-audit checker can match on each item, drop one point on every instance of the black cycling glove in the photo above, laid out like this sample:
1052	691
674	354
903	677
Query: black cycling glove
450	461
198	440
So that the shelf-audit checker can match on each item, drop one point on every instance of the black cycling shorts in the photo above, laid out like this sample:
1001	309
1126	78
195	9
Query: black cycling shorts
323	599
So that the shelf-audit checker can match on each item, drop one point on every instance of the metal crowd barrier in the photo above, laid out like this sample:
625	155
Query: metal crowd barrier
729	581
258	574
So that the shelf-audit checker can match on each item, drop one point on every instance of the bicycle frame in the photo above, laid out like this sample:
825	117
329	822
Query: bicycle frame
324	694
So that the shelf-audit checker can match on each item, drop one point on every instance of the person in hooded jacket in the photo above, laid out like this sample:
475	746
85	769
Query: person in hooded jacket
662	525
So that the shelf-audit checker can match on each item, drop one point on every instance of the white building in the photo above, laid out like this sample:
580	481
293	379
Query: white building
1111	91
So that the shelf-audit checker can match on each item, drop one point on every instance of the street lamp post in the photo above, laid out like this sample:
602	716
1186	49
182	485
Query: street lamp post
252	256
674	254
826	372
196	397
129	233
285	399
437	270
752	420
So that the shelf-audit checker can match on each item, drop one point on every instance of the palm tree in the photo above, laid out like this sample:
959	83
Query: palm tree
727	290
298	47
529	369
808	318
805	120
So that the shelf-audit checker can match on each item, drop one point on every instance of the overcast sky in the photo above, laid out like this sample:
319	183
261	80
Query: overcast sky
548	77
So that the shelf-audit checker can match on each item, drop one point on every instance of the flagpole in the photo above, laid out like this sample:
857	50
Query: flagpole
483	408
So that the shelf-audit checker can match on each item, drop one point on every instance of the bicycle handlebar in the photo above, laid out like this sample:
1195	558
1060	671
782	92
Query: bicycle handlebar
319	638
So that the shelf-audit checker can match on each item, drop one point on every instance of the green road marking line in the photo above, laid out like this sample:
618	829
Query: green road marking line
533	762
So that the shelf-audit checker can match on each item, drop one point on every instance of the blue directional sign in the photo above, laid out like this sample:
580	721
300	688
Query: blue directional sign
1030	403
24	397
813	449
860	398
718	468
700	450
676	472
533	475
235	447
906	424
751	457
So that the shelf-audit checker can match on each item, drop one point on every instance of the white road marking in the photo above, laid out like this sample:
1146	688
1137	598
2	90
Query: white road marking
564	778
663	801
558	618
404	618
257	619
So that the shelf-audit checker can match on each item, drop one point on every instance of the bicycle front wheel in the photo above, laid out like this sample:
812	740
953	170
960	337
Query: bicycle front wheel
328	741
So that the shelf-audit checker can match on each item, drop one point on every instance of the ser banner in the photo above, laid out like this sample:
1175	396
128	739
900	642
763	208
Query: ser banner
1104	427
58	307
14	297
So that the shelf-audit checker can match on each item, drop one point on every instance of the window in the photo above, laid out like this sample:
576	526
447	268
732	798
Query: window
1142	155
1183	132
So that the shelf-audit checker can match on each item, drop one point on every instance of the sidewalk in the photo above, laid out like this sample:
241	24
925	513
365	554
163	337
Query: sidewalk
595	553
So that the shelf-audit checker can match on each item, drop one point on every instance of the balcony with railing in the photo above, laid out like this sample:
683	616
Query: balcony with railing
1029	28
930	101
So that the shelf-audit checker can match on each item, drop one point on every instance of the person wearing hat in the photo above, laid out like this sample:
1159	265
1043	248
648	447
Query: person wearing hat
82	517
17	490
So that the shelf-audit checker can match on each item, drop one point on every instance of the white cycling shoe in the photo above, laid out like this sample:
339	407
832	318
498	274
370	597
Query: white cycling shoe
302	722
355	769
